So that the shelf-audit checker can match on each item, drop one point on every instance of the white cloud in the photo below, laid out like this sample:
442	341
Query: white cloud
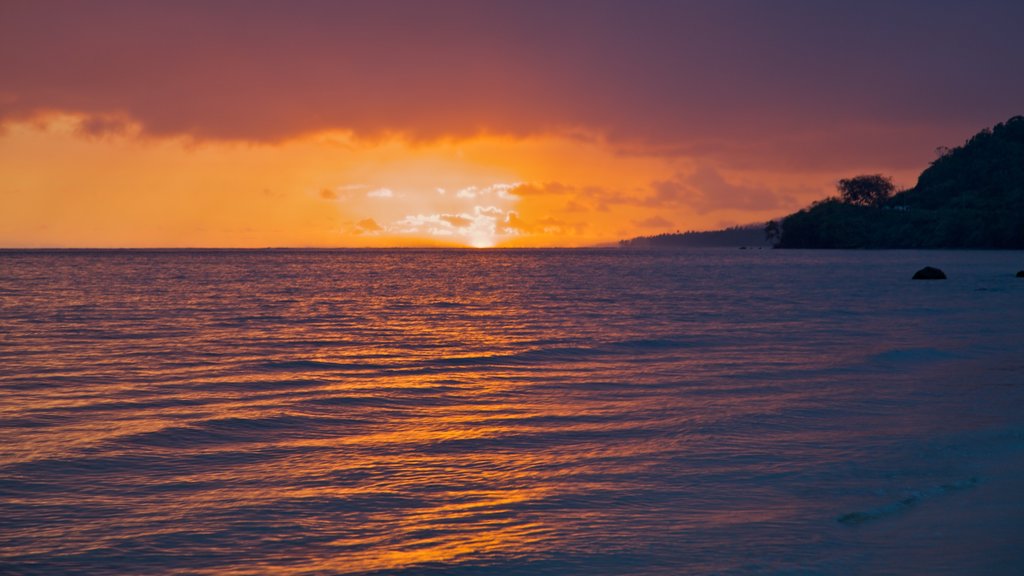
505	191
501	190
470	215
478	228
488	211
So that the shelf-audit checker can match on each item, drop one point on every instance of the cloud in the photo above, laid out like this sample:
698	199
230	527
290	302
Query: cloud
380	193
368	225
572	206
500	190
481	228
542	189
343	191
709	79
653	222
505	191
493	211
546	225
601	197
458	221
706	190
101	125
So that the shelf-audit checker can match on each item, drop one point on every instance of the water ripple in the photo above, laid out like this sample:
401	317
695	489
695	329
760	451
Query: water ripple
497	412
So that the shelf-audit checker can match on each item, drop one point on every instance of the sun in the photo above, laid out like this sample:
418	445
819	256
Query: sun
481	241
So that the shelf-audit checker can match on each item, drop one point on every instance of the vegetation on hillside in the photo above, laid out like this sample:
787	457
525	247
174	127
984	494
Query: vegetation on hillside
971	196
749	235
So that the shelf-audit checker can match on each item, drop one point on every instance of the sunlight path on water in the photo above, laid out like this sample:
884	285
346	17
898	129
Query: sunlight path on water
506	412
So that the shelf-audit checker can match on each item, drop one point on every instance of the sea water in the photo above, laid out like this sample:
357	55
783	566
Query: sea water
511	412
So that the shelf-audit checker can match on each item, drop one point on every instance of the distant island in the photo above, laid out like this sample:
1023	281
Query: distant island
751	235
971	196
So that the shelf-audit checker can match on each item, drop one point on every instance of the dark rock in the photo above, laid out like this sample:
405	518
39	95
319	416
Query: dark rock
929	273
1020	274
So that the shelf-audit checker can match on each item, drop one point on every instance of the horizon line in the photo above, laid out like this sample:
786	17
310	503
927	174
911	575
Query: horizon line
287	248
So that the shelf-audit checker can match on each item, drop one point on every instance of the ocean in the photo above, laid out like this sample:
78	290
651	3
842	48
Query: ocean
533	412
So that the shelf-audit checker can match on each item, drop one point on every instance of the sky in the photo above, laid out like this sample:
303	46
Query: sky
473	123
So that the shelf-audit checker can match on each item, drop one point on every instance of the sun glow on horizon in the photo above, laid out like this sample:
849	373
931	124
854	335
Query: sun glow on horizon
481	242
123	188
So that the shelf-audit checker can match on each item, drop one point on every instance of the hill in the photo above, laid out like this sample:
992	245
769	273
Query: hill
971	196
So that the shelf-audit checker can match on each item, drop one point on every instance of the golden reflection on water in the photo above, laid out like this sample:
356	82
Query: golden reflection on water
356	412
440	466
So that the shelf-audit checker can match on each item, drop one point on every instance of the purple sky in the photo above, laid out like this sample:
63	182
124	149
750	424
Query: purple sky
797	81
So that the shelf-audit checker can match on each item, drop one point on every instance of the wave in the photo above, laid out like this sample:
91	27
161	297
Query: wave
305	365
912	355
238	430
530	357
447	304
44	475
555	354
912	499
290	385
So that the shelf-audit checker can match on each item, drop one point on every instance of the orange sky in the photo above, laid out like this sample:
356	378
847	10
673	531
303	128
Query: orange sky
461	123
66	188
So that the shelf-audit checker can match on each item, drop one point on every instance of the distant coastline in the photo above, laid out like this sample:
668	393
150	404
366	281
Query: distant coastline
751	235
970	197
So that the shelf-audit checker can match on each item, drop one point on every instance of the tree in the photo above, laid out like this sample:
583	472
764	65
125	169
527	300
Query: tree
866	190
772	232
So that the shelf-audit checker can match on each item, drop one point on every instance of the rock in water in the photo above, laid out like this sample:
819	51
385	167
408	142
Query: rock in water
929	273
1020	274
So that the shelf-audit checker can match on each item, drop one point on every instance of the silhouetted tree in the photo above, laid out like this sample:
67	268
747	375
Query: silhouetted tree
772	232
866	190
